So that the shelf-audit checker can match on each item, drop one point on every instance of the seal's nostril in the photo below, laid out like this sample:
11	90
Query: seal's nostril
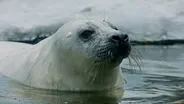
116	38
125	38
119	38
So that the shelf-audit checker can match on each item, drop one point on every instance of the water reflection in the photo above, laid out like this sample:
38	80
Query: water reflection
19	93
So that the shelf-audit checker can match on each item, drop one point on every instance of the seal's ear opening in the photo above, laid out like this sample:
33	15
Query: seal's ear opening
86	34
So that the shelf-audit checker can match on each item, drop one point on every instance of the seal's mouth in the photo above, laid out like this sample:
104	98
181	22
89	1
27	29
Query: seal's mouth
117	49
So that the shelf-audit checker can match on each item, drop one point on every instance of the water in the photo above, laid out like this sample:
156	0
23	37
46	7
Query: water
161	78
159	81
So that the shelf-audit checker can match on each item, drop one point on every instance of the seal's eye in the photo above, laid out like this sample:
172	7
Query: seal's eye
86	34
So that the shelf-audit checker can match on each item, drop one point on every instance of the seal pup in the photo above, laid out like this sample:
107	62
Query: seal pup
83	55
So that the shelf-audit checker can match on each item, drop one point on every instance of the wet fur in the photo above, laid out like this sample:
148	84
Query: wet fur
63	62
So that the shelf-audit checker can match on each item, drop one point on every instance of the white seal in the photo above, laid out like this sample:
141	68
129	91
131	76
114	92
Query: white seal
83	55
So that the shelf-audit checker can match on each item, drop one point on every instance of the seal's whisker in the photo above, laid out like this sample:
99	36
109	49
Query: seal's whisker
135	55
93	71
95	75
136	60
131	63
89	71
102	73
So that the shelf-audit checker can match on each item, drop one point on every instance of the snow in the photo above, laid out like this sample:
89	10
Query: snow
142	19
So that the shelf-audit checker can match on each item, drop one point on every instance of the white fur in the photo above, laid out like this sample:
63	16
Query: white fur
57	62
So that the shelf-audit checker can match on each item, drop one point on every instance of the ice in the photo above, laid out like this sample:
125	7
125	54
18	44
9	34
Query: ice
142	19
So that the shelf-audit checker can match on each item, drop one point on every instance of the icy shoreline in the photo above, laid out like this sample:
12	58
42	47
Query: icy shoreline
145	20
36	34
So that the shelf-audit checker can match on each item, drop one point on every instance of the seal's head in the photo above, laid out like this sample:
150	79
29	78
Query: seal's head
93	49
100	42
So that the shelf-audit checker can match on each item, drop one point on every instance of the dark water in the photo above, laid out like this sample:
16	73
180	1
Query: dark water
160	81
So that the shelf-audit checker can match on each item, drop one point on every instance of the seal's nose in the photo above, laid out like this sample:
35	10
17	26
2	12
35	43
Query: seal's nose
121	45
120	38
